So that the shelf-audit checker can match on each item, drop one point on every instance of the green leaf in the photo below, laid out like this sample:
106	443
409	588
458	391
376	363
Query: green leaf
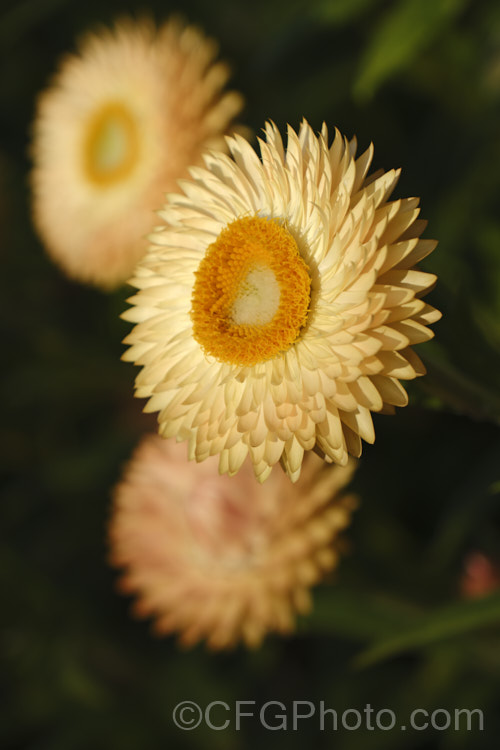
404	32
357	614
438	626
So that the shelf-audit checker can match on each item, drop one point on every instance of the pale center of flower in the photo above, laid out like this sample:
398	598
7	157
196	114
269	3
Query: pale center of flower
225	525
257	299
251	294
111	146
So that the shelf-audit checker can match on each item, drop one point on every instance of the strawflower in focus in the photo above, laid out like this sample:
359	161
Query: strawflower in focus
220	558
122	120
278	304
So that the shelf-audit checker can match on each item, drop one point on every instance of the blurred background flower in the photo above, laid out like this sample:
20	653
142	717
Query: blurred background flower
120	123
223	558
481	575
419	78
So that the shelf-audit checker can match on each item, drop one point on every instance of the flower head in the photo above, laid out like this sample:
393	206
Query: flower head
223	558
121	122
278	303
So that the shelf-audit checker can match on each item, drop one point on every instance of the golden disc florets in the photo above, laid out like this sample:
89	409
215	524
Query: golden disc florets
252	293
111	144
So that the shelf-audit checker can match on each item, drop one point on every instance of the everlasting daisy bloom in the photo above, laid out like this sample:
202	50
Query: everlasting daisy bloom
122	120
278	303
222	558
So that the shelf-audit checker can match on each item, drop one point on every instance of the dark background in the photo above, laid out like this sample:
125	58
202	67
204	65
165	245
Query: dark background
421	79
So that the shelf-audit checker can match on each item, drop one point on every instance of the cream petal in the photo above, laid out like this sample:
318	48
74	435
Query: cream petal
273	450
391	337
405	311
414	280
359	421
366	393
236	455
397	253
390	390
427	315
400	224
331	428
362	166
353	442
413	331
396	365
248	422
415	230
260	431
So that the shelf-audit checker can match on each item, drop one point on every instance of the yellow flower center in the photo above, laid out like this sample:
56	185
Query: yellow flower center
111	146
251	294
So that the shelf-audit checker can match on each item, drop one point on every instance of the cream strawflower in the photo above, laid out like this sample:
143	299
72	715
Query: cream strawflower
122	120
278	303
222	558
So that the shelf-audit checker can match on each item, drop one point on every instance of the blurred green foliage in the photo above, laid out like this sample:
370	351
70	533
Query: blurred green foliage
403	33
421	78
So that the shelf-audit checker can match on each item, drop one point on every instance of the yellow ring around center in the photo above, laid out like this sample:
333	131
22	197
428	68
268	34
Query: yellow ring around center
111	144
259	253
